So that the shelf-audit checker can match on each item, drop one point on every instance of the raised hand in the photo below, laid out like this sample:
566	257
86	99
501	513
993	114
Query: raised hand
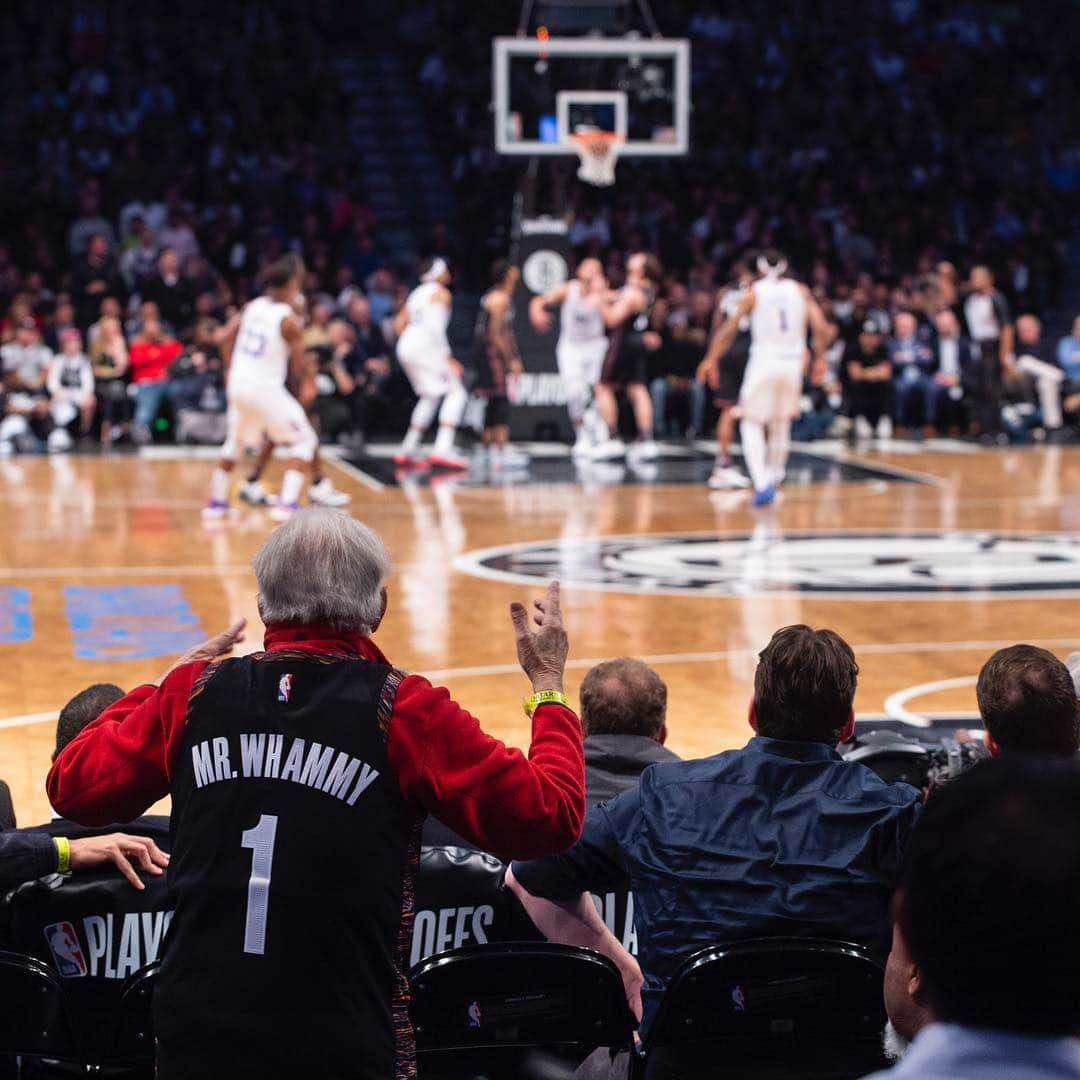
542	652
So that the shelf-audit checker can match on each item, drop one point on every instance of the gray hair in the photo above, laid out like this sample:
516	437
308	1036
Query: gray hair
322	567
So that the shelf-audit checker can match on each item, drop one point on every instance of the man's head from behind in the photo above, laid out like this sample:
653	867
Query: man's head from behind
84	708
624	697
323	568
804	687
1028	702
989	894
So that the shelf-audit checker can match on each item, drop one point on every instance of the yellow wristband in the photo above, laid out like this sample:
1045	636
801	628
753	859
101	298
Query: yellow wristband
544	697
63	854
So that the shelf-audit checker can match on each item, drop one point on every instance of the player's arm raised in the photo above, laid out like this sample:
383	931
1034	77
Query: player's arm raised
722	340
539	314
625	303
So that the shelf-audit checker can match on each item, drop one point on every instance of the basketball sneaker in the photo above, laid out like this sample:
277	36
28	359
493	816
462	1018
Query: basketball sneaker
609	450
643	450
448	461
764	497
325	494
508	457
409	459
254	494
726	478
583	445
884	428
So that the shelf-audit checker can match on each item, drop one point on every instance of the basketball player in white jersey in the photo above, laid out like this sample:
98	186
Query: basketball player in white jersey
424	353
581	347
267	343
779	310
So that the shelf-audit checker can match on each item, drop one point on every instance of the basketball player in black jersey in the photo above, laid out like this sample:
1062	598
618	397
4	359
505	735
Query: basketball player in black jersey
498	360
627	316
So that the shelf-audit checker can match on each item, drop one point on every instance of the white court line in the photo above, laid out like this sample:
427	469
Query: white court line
351	470
877	647
895	704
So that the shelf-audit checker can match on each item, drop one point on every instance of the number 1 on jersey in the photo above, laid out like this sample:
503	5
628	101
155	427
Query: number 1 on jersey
261	841
782	311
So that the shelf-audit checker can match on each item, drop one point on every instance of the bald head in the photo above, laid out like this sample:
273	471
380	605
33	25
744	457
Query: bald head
623	697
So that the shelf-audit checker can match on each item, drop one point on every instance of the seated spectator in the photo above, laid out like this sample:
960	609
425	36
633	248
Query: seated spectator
95	276
166	288
25	360
141	254
985	958
1036	375
782	837
152	351
25	422
315	333
197	390
62	318
955	372
869	372
109	363
624	718
1068	358
1028	703
915	391
71	391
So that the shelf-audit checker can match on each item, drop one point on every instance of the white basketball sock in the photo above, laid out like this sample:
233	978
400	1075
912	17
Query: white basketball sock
220	483
753	451
292	483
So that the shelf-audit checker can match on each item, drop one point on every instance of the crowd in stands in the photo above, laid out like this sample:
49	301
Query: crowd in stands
953	884
146	176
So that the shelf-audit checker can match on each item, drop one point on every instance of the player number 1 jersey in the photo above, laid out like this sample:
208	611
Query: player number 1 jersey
778	320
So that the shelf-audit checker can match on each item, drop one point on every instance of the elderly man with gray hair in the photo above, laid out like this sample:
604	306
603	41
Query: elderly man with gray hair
299	777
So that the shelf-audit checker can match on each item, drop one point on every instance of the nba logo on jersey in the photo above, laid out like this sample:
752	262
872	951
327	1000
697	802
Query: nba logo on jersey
66	950
284	687
474	1016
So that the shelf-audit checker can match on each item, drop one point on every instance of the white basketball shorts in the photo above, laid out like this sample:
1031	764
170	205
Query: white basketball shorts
272	412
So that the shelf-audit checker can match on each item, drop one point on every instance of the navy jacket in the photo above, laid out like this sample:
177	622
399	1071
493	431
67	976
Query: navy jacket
779	838
24	856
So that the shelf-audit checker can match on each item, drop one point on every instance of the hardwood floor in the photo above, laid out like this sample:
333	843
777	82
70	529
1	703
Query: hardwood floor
109	563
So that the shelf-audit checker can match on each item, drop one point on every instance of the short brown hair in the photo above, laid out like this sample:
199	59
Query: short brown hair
623	697
804	685
1027	700
653	270
280	272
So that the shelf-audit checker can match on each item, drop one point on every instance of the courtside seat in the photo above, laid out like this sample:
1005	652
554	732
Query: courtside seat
133	1042
479	1009
770	1008
34	1017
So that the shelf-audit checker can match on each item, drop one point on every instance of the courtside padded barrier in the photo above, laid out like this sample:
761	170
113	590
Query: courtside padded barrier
770	1008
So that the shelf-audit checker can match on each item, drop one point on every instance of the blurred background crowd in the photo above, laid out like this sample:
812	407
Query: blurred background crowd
145	176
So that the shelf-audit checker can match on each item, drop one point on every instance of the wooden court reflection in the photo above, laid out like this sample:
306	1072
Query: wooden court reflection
105	522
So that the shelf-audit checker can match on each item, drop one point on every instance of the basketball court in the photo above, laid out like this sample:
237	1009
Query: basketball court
925	558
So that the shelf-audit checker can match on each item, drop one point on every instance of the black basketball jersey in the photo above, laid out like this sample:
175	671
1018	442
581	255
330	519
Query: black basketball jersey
292	862
626	340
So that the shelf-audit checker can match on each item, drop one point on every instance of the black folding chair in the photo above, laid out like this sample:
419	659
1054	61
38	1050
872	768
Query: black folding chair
481	1009
133	1041
770	1007
34	1017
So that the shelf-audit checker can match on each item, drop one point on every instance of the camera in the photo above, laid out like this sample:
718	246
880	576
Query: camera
922	762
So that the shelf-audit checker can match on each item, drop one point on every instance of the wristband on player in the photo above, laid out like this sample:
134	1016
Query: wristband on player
544	697
63	854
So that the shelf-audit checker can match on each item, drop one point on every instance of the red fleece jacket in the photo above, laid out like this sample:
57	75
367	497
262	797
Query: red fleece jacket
489	793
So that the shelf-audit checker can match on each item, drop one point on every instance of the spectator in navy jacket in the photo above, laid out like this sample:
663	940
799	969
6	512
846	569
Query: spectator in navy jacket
915	390
782	837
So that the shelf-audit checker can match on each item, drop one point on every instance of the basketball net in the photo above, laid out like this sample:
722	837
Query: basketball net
598	152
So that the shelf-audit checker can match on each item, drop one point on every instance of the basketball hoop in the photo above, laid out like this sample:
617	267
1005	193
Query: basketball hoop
599	154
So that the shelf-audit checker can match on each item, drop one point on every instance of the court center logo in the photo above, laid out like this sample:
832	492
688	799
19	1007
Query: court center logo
836	564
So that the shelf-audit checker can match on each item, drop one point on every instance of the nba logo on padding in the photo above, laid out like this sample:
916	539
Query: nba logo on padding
284	687
66	951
